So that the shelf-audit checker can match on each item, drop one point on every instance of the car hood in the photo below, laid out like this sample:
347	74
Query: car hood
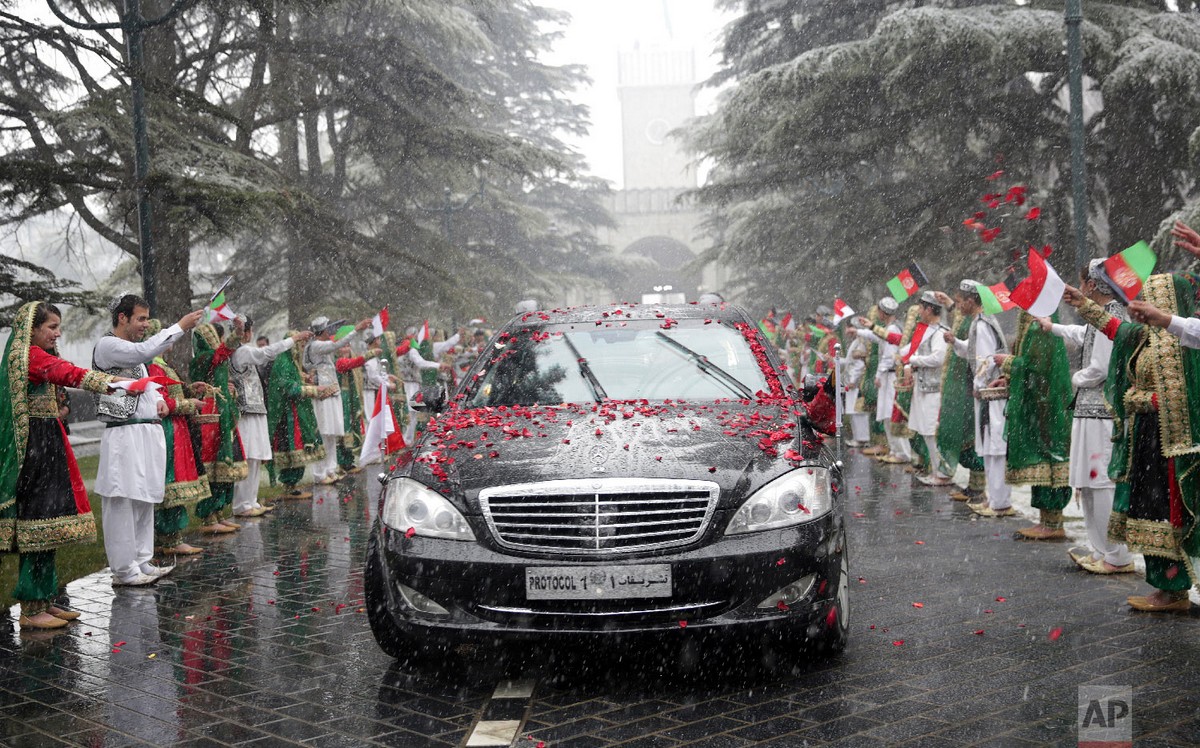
738	444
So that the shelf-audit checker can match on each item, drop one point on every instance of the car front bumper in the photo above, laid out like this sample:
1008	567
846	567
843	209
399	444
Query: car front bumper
714	586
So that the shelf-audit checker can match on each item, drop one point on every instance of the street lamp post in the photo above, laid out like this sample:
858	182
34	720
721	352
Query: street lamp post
133	25
448	207
1073	18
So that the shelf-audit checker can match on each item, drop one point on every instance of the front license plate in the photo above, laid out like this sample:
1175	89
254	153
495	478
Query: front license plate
597	582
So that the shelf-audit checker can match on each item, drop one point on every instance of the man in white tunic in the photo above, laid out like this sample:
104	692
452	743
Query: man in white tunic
926	365
131	477
320	358
984	340
853	367
252	403
375	376
1091	431
411	366
887	335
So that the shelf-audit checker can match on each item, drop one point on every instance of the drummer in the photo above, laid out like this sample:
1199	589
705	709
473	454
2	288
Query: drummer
984	340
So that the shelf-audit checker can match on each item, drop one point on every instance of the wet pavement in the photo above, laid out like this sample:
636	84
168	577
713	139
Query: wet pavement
959	636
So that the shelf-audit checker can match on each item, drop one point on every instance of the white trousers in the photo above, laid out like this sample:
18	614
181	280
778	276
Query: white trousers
860	427
245	491
936	462
128	535
1097	506
327	466
899	447
998	491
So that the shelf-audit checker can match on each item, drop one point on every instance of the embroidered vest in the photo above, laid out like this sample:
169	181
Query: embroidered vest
118	405
929	379
249	387
1089	401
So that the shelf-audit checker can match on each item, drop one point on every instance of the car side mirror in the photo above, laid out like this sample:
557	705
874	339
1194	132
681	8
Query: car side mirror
431	399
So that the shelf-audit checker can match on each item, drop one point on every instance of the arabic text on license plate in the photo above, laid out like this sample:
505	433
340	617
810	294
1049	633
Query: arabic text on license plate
597	582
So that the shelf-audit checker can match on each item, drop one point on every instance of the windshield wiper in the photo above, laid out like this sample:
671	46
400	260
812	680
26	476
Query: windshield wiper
709	368
585	370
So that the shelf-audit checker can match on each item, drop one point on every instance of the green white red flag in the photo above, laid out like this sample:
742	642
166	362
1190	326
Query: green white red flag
379	323
995	299
218	309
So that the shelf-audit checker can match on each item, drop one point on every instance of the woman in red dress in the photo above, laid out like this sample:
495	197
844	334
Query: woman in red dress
43	503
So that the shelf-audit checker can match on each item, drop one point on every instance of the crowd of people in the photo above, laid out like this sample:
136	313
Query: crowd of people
940	386
178	447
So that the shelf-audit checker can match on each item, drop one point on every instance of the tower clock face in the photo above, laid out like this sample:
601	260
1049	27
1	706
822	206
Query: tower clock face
656	131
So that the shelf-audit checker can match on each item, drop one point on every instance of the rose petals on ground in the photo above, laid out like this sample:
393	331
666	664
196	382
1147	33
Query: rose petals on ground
1055	633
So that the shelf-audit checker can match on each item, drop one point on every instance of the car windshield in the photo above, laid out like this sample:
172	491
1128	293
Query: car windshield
582	363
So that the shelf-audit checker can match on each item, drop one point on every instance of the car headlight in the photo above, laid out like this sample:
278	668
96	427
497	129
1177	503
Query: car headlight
409	504
799	496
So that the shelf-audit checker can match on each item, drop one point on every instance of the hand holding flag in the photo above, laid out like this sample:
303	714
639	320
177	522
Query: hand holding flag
382	430
138	386
379	322
218	309
1126	271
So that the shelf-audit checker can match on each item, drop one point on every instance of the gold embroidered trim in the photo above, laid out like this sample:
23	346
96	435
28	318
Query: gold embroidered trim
298	458
1146	536
1139	401
43	402
96	381
1174	421
1051	474
46	534
1094	314
183	493
224	472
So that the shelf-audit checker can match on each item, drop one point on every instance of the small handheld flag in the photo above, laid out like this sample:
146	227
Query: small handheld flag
995	299
841	310
1126	271
343	331
423	332
906	282
217	309
1040	293
379	322
139	386
381	430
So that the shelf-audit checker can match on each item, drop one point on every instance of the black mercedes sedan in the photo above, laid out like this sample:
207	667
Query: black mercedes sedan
616	470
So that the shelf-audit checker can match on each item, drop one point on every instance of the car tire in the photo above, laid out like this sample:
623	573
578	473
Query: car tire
387	634
833	639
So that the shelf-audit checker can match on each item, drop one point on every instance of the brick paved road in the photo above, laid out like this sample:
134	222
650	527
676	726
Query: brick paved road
262	642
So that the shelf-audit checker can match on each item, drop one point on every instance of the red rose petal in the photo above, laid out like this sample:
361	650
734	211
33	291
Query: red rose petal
920	542
410	532
1055	633
831	618
918	605
1002	599
979	632
683	624
1172	571
898	643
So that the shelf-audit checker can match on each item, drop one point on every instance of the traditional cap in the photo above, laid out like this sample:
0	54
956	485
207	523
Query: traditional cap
927	297
888	305
335	325
969	286
319	325
1097	274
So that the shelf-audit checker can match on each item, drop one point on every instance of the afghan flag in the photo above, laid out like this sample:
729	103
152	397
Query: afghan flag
217	309
1040	293
379	322
1127	271
995	298
906	282
787	323
841	310
343	331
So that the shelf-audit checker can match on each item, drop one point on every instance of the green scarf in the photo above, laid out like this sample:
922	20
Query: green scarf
1037	422
956	426
14	405
286	406
229	466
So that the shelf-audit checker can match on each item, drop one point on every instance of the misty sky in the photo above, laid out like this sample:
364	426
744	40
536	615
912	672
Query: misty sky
600	29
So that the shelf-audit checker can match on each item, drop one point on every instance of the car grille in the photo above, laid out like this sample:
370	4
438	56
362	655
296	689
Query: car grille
613	515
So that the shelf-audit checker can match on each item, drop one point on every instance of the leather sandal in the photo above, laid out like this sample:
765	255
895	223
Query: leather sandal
63	613
43	620
1142	602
